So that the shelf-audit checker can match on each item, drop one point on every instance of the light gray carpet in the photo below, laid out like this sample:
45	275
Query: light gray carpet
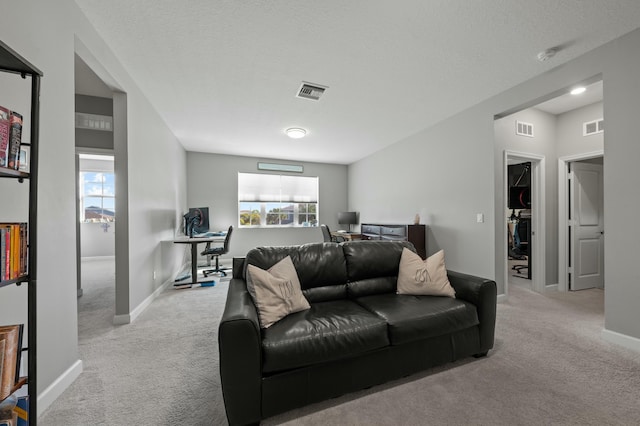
549	366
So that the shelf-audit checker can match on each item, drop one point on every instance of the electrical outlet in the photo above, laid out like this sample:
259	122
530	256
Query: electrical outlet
154	275
480	218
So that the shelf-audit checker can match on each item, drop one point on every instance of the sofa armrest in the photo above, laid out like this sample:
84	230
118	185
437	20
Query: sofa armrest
240	347
483	294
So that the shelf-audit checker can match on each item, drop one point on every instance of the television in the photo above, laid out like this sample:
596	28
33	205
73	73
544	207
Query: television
519	197
347	218
196	221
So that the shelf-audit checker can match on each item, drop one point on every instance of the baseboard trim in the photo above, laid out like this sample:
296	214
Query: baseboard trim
551	287
501	298
131	317
55	389
620	339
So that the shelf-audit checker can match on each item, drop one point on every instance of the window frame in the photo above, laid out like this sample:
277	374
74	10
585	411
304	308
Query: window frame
265	208
90	168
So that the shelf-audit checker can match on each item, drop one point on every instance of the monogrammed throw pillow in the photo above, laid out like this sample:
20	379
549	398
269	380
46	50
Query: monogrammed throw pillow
276	292
423	277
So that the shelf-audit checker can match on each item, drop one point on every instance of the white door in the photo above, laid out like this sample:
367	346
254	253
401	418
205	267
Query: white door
587	226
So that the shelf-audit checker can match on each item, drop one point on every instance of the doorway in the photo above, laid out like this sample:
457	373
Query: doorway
529	220
101	126
581	221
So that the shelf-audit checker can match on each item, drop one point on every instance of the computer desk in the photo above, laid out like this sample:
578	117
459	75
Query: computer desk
217	238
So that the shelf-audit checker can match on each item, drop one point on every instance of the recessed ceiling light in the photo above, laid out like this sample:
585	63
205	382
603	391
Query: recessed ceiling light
296	133
578	90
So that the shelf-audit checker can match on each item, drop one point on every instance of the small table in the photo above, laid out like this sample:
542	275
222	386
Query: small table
349	236
218	237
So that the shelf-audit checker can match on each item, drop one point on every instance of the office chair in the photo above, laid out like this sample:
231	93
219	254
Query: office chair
328	238
217	252
521	244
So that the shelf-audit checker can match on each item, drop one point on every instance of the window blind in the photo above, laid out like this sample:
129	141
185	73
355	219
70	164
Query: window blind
260	187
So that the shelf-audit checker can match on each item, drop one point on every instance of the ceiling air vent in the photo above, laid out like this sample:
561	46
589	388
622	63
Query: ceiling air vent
94	122
524	129
311	91
593	127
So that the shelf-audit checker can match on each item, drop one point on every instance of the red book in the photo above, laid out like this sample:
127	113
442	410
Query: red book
15	137
4	136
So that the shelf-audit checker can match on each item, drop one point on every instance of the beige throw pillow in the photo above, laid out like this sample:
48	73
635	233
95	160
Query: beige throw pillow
276	292
423	277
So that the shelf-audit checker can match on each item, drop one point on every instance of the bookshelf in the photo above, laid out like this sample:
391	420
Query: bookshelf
12	62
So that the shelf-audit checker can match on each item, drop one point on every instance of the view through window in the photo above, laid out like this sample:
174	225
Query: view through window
266	200
97	189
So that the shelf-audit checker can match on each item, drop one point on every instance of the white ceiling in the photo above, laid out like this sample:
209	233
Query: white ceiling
568	102
223	74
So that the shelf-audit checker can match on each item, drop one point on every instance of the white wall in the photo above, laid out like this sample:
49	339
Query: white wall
454	170
44	32
96	240
212	181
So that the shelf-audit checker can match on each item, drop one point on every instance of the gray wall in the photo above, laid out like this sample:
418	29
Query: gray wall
212	181
47	35
570	140
445	174
455	169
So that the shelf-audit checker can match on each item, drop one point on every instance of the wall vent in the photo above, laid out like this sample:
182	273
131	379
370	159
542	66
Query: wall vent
524	129
94	122
593	127
310	91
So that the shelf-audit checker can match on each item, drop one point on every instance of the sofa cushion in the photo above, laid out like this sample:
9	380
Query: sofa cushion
423	277
328	331
276	292
317	265
413	318
369	286
371	259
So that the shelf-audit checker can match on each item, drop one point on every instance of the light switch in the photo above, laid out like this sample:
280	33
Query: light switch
480	218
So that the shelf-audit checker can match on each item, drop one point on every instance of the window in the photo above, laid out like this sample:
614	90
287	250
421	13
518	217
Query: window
277	200
97	189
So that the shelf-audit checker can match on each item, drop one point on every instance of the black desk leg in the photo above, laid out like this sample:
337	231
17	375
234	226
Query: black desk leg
194	262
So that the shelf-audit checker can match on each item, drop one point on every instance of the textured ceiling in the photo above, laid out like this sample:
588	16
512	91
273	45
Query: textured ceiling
223	74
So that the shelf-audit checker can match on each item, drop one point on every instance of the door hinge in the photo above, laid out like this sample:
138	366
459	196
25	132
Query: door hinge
570	175
570	270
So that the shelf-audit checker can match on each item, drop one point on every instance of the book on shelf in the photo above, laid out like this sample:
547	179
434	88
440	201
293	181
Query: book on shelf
11	356
5	116
15	138
22	411
13	250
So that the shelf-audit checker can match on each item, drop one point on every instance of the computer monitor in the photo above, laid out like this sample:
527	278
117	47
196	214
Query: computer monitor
196	221
347	218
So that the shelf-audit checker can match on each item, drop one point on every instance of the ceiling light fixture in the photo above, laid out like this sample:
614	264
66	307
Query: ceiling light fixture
296	133
578	90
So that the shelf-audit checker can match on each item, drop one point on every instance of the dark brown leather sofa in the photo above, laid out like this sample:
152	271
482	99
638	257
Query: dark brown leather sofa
358	332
